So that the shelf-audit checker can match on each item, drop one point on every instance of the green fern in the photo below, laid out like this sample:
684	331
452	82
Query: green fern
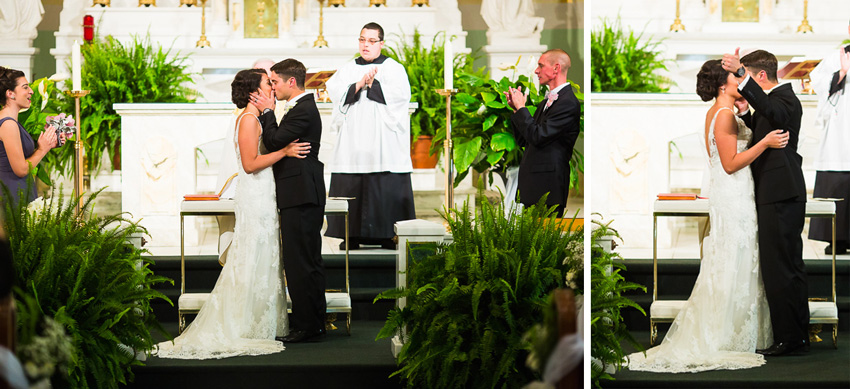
85	274
607	329
469	305
623	62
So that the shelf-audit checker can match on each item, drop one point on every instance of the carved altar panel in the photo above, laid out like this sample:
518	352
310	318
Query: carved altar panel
740	11
261	18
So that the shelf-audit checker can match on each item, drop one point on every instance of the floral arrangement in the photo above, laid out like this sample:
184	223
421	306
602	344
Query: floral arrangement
62	124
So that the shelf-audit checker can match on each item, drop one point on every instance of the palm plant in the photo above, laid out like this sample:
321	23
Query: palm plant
469	305
83	273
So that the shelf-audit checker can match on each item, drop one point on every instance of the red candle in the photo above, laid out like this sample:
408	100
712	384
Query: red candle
88	28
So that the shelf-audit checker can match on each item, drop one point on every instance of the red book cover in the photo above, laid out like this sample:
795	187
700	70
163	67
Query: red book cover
200	197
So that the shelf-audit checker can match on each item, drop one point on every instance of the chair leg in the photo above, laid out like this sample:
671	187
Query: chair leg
835	336
348	323
653	332
181	323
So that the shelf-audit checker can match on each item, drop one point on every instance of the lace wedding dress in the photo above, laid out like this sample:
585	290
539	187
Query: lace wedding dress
246	308
726	317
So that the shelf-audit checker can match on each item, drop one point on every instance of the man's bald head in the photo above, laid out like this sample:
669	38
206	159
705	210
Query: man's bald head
560	57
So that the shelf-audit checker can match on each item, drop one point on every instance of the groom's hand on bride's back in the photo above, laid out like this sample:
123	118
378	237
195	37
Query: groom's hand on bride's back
262	101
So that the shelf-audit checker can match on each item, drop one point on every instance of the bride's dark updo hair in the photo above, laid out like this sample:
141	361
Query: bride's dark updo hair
8	81
246	82
710	78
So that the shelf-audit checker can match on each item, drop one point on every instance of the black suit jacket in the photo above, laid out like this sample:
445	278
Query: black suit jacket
548	138
777	173
298	181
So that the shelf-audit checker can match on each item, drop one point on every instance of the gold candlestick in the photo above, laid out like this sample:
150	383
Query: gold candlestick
378	3
336	3
420	3
320	40
102	3
261	11
447	148
203	42
189	3
147	3
677	25
78	150
804	25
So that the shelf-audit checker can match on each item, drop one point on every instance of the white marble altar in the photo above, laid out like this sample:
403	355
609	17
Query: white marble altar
161	162
633	161
180	27
706	36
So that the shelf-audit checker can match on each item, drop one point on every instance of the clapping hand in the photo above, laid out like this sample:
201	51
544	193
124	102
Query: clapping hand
47	139
367	79
844	56
516	99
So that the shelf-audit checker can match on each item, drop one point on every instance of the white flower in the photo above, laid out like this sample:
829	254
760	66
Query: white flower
59	77
481	110
506	66
531	65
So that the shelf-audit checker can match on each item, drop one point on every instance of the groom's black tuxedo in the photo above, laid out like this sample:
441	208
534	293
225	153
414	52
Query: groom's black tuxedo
301	201
780	193
548	138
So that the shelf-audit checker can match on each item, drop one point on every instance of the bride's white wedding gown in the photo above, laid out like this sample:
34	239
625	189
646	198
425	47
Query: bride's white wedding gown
726	318
246	308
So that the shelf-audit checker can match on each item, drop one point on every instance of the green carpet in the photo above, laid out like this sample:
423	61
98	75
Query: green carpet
356	361
822	367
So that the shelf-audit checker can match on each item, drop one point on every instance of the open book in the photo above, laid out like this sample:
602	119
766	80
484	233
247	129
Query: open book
679	196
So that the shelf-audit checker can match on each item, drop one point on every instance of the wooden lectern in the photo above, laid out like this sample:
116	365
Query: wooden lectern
798	69
317	81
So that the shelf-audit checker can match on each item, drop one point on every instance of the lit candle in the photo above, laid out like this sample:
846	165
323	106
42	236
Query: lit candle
448	64
75	67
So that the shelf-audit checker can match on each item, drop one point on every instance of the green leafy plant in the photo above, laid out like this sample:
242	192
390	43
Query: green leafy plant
469	305
482	136
607	328
424	66
623	62
138	72
44	348
85	274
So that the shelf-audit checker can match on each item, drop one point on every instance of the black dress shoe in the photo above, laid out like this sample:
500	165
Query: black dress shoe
352	245
785	348
300	336
388	244
841	249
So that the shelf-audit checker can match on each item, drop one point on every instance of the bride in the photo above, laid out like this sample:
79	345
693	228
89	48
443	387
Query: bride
246	309
726	317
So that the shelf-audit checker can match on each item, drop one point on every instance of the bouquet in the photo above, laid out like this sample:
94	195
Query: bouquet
62	125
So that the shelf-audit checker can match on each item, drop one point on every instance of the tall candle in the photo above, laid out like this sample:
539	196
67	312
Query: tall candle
448	64
75	67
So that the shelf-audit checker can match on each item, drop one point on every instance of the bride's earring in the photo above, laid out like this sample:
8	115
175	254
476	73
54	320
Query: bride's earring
723	90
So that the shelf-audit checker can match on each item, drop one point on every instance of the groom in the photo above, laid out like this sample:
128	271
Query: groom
300	188
780	193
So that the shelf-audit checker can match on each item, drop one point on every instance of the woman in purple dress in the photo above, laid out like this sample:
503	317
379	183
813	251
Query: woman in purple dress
19	153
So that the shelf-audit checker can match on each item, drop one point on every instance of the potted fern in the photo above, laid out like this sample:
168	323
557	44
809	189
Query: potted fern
624	62
473	300
84	274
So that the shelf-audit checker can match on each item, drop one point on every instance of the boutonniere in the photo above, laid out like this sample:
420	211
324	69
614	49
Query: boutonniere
551	97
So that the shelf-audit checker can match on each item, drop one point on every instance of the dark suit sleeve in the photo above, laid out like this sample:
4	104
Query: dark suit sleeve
776	109
837	84
748	119
294	126
564	118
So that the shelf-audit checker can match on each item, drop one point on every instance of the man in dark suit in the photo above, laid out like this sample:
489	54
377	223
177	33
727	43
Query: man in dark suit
548	135
301	197
780	193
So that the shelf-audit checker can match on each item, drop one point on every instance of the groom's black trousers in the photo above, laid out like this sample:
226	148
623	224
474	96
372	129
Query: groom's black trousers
783	272
301	238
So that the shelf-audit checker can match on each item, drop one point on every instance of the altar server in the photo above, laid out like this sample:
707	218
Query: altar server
832	162
372	156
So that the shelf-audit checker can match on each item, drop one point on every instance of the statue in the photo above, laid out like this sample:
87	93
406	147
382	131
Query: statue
513	18
71	16
19	19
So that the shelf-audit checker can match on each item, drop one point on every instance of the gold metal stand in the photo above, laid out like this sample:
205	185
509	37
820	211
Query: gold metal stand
677	25
147	3
420	3
203	42
261	11
804	25
189	3
447	148
320	40
78	150
378	3
102	3
336	3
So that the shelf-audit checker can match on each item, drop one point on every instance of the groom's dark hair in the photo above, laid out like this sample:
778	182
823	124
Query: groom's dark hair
291	68
761	60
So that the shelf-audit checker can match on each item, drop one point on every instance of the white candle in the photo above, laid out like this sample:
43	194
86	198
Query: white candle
75	67
448	64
